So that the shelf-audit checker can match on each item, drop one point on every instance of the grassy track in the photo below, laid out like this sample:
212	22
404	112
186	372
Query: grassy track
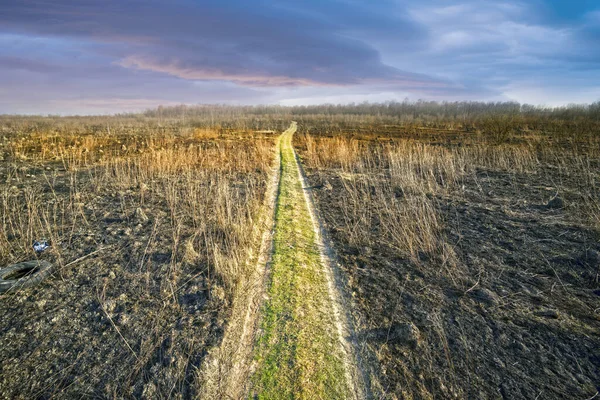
298	353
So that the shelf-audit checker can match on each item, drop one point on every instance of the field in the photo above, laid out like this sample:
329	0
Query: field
429	252
474	264
149	236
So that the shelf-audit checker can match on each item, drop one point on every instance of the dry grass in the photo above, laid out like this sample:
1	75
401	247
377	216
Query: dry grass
173	212
150	219
422	225
403	177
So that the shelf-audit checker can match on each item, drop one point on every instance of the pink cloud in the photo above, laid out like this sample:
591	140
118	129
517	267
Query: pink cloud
267	78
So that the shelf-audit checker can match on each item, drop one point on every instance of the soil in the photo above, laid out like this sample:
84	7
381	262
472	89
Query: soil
518	315
136	318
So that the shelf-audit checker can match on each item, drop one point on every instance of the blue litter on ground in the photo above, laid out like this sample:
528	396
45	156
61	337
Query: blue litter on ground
40	246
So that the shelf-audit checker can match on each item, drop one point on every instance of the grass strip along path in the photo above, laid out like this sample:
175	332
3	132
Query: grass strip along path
299	353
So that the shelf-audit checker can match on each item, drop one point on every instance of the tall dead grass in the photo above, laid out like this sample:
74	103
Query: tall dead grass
392	187
206	184
175	213
389	188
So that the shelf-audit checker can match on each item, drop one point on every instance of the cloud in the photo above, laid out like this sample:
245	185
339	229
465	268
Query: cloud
66	54
510	44
24	64
277	75
267	46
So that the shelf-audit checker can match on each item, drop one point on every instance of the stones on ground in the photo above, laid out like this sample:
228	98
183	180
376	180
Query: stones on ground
405	333
485	296
555	203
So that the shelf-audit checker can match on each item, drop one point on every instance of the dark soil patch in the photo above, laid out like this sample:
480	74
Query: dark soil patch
518	317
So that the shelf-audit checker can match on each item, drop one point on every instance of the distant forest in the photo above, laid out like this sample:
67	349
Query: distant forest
499	121
417	109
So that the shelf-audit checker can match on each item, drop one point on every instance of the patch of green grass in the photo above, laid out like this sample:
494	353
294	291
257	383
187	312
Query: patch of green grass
298	352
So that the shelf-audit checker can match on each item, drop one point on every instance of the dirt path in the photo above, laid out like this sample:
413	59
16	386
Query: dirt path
290	334
302	350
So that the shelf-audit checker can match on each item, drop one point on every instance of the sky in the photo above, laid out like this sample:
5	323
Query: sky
114	56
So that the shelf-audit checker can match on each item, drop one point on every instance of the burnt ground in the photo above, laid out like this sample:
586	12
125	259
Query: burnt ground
517	317
136	318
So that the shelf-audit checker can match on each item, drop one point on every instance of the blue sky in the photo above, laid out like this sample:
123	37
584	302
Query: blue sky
68	57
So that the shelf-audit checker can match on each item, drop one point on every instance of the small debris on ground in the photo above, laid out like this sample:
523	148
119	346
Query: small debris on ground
40	246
